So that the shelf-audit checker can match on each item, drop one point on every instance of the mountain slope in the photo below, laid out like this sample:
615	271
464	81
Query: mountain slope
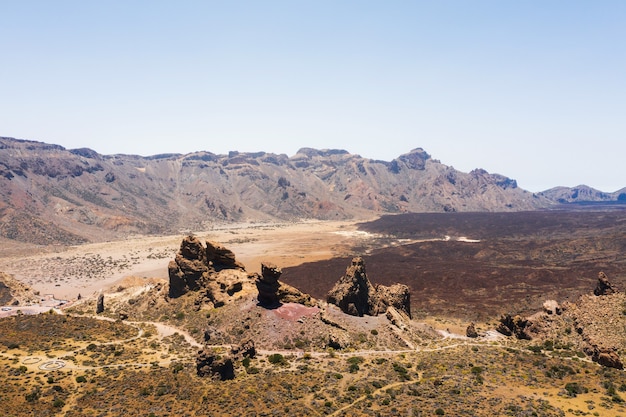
582	193
51	194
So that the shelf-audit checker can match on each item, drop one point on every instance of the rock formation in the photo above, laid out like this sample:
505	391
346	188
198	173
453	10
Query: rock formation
212	365
552	307
516	326
335	342
220	257
289	294
354	294
604	356
471	331
100	304
244	350
397	296
604	287
267	284
211	271
272	292
188	268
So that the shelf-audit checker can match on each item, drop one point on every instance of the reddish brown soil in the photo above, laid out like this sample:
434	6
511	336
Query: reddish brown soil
521	260
294	311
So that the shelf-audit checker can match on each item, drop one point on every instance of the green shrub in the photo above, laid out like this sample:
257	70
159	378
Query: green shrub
573	389
477	370
277	359
355	360
81	379
559	371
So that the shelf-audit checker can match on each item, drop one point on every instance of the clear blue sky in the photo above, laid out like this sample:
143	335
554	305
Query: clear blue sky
533	90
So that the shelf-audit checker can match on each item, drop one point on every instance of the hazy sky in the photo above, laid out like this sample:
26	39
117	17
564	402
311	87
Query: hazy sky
535	90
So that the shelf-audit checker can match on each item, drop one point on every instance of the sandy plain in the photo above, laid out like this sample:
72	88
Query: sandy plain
67	271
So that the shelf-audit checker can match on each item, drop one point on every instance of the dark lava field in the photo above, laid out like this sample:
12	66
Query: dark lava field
520	260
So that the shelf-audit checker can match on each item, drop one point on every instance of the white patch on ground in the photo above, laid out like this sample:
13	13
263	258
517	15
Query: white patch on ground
448	335
465	239
357	233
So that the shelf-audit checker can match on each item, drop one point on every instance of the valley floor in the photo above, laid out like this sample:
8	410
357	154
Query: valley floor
67	272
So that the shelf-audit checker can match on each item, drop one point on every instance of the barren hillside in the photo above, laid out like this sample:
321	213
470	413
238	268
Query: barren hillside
54	195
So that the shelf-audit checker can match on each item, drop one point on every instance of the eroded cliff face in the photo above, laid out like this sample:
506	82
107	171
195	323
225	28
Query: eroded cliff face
53	195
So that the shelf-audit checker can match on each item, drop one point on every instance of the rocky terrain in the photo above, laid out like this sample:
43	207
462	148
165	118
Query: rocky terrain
14	292
475	266
50	194
509	311
214	347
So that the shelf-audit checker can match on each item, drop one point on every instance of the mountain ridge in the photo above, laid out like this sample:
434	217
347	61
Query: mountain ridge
51	194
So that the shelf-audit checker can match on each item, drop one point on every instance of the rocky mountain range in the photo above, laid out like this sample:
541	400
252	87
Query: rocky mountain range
50	194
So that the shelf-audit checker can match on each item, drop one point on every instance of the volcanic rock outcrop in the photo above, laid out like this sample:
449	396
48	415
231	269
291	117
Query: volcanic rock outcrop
354	294
471	331
517	326
188	268
100	304
211	365
211	271
604	287
245	350
267	284
272	292
220	257
605	356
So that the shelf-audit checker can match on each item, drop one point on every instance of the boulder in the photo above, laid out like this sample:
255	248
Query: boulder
552	307
212	334
214	366
605	356
604	287
397	296
244	350
397	318
335	342
471	331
